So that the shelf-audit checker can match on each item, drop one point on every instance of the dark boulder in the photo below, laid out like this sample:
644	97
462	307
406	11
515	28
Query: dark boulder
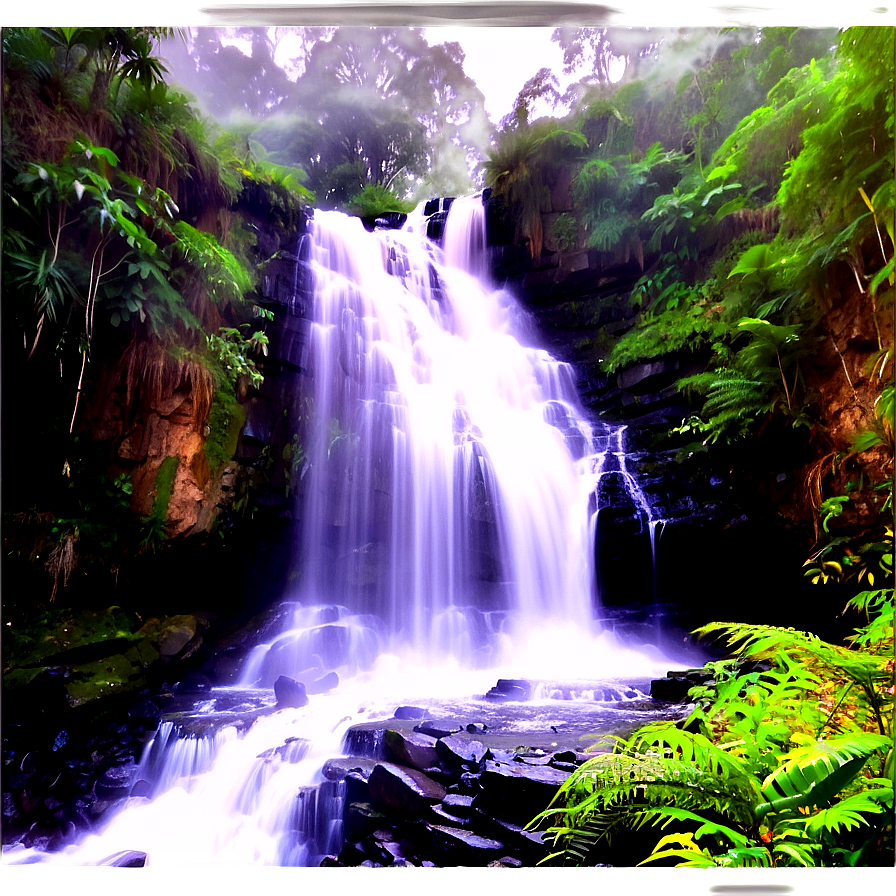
361	820
456	847
525	844
128	858
459	752
440	815
508	689
289	693
437	728
458	804
411	712
115	782
404	790
506	862
516	791
411	748
670	690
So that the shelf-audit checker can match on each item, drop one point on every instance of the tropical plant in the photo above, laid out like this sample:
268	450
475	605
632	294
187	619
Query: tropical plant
770	767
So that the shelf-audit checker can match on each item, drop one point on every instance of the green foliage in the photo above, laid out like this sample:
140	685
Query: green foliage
375	200
565	232
225	278
230	351
689	321
154	524
225	421
750	773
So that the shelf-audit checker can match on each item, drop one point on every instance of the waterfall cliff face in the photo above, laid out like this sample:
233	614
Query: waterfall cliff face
447	473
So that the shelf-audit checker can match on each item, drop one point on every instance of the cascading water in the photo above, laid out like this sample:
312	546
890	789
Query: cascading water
447	529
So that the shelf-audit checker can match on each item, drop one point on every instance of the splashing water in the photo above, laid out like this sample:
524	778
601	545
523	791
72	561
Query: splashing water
446	539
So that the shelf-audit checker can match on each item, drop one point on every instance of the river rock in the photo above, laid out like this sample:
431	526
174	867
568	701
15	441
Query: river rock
115	782
404	790
321	685
459	751
361	820
506	862
411	748
436	728
411	712
289	693
171	635
528	845
458	804
456	847
128	858
516	791
440	815
508	689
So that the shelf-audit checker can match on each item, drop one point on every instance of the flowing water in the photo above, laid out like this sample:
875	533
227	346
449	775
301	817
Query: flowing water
449	502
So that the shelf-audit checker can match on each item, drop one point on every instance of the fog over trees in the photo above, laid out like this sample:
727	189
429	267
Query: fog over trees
364	106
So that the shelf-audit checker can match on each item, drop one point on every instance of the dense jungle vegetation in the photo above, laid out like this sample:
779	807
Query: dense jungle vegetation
743	179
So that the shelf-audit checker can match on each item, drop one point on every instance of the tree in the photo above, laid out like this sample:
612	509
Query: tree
602	52
452	111
227	81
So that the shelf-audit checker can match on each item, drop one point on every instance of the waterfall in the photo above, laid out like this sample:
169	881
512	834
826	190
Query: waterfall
447	480
447	525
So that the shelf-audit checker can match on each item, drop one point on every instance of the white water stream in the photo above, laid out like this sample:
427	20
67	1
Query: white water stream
447	541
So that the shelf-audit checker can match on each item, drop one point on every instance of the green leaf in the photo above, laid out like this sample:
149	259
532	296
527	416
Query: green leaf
813	775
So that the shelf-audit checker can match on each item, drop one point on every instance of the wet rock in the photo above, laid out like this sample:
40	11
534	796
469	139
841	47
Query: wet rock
377	853
403	790
128	858
411	712
361	820
440	815
526	844
289	693
516	791
506	862
321	685
390	850
670	690
468	784
30	762
456	847
413	749
144	709
352	855
171	635
141	787
365	740
50	835
355	773
437	728
459	752
115	782
458	804
338	769
508	689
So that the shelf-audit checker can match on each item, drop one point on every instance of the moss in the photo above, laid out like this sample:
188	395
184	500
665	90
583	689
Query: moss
164	487
225	422
57	636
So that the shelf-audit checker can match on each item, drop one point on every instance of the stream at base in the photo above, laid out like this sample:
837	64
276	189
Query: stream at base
450	490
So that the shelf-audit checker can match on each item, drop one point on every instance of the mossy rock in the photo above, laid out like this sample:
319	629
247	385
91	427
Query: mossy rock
119	674
173	634
61	637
